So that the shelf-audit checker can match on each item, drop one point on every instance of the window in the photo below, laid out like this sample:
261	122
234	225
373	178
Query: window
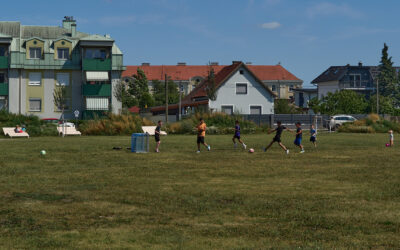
273	87
35	104
3	102
62	79
63	53
227	109
35	78
95	54
241	88
355	81
2	51
291	87
241	72
2	78
35	53
255	110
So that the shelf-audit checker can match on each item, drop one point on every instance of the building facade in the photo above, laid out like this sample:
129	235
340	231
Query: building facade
35	60
361	79
303	96
276	77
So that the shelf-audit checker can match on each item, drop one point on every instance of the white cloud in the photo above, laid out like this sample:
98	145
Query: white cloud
270	25
331	9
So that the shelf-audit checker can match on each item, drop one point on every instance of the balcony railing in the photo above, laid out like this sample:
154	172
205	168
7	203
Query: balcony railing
96	64
3	62
96	90
3	89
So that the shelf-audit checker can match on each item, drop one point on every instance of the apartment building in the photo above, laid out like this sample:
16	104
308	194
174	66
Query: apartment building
35	60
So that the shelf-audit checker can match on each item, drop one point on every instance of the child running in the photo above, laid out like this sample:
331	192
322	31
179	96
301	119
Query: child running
157	133
313	136
299	137
201	133
237	135
277	137
391	138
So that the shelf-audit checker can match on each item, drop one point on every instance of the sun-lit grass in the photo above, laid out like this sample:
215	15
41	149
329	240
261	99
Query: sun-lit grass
83	194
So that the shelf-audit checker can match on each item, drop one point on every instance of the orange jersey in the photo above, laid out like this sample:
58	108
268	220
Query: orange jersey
202	129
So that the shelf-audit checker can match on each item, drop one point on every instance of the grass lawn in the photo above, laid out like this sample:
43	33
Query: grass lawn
83	194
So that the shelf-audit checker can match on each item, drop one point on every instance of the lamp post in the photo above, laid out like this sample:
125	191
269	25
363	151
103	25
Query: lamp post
377	96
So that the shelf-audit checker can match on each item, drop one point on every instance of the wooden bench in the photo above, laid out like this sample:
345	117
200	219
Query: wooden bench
150	130
68	131
11	133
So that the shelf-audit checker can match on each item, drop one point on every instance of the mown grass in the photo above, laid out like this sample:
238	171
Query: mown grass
84	195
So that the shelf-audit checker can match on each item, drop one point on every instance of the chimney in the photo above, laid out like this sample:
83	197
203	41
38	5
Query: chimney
181	64
73	30
249	63
214	63
235	62
145	64
359	64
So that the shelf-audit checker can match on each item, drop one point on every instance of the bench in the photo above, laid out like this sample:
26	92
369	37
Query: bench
11	133
68	131
151	130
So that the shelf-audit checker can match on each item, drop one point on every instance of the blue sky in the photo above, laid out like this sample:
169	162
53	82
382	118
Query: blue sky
305	36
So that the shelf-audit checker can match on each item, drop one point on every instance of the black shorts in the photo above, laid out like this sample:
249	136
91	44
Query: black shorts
157	138
313	139
236	137
277	139
200	139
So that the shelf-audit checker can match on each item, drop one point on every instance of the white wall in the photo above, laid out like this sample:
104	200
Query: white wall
256	95
326	87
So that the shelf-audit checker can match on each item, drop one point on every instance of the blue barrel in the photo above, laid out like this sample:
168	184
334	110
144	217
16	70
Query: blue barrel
140	143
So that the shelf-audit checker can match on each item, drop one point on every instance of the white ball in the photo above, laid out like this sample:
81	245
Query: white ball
251	150
43	152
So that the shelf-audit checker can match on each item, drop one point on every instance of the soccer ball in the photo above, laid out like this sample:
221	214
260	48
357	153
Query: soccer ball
251	150
43	152
387	145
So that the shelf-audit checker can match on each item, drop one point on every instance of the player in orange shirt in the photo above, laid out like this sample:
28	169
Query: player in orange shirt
201	133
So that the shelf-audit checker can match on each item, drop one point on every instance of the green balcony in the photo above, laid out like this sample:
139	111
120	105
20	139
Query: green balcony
97	90
96	64
3	88
3	62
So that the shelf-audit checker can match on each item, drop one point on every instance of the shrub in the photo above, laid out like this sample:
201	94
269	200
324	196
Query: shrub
112	125
372	124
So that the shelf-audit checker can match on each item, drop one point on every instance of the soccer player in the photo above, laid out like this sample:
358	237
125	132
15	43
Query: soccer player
201	133
237	135
157	134
277	137
299	137
313	135
391	138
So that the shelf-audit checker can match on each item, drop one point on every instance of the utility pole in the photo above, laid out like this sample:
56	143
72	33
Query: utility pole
377	96
166	98
180	101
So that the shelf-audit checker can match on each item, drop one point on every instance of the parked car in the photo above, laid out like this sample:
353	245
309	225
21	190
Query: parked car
58	122
337	120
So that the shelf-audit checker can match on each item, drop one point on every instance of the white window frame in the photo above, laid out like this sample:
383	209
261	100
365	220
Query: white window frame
66	52
58	83
242	83
228	105
40	54
35	83
256	105
35	99
273	88
354	80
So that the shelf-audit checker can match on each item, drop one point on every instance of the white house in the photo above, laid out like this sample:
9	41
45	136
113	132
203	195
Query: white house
238	90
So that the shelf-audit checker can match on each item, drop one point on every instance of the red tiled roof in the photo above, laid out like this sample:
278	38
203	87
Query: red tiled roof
157	72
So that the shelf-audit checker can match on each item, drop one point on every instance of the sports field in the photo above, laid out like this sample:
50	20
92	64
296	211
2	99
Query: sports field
83	194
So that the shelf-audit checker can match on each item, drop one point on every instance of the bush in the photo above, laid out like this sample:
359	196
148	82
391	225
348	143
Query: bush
113	125
372	124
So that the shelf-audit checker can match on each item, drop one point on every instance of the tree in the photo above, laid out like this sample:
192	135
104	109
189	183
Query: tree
341	102
139	89
122	95
211	88
159	92
315	105
60	100
387	77
385	105
283	106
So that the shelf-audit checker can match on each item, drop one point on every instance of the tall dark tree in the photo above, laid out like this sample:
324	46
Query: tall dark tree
211	88
387	77
139	89
159	92
123	96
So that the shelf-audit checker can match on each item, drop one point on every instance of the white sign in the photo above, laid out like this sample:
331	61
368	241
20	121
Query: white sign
76	113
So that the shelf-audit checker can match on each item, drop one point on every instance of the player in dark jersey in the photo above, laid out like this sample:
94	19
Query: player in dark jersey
237	135
299	137
157	133
277	137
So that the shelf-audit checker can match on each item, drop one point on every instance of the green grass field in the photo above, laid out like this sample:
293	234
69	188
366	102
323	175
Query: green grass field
83	194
